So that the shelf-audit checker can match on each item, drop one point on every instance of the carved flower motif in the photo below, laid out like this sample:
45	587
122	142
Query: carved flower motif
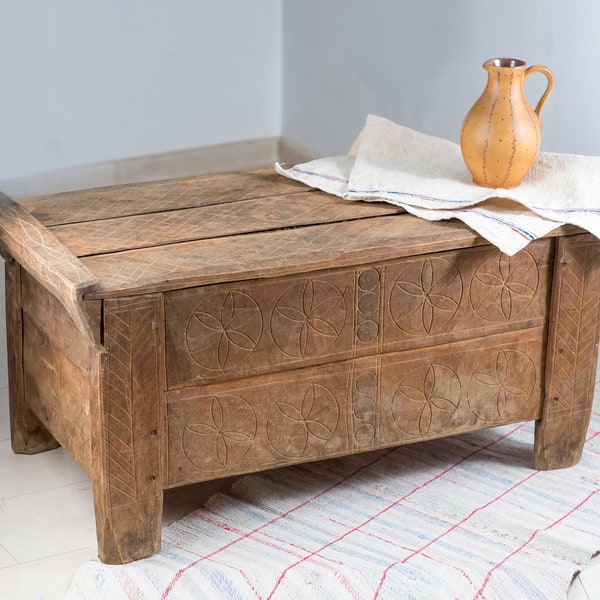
425	405
504	286
308	318
495	391
219	432
304	422
426	295
223	330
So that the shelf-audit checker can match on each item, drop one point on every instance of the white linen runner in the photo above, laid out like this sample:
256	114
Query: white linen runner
426	176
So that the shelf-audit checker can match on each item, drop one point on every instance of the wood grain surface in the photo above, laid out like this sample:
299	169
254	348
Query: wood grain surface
574	329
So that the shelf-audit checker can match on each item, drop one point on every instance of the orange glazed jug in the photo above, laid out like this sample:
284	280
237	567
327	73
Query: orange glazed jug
500	136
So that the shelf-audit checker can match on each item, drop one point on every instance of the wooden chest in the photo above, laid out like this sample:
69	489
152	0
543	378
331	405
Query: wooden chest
182	331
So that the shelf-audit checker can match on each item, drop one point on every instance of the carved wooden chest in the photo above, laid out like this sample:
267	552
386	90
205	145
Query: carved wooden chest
175	332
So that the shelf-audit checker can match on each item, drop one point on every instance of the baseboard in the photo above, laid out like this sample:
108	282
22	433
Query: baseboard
247	154
235	156
291	152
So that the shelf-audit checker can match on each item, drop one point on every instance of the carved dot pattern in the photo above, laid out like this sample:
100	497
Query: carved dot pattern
308	318
425	402
503	286
502	387
364	408
368	306
223	330
304	422
426	295
219	432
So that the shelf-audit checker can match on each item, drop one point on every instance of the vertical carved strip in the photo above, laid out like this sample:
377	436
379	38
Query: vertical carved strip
571	354
365	408
368	307
364	395
28	433
128	482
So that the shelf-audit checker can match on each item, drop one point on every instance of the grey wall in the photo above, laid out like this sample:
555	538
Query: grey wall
419	63
86	81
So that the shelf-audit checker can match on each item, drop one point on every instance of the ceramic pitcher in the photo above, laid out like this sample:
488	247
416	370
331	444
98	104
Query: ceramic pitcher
500	136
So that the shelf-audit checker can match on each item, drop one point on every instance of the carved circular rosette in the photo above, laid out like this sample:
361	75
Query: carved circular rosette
223	330
302	423
503	387
308	318
426	400
426	295
503	286
219	432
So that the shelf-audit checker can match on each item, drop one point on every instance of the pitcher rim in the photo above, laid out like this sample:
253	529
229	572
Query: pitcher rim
504	63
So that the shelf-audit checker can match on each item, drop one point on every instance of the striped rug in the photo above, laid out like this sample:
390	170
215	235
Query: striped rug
457	518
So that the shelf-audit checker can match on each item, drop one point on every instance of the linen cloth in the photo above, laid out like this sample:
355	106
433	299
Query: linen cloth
427	176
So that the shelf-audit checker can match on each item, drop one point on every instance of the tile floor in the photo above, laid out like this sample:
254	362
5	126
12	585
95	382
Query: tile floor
47	522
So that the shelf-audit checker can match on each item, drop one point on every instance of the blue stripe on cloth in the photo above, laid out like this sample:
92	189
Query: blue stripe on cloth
513	226
410	195
314	174
568	210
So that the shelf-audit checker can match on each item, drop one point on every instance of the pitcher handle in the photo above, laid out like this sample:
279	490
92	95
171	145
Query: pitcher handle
550	77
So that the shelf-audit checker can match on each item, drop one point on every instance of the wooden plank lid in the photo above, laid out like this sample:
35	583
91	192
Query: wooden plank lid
185	232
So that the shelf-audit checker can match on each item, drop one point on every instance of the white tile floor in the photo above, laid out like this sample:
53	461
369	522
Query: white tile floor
47	519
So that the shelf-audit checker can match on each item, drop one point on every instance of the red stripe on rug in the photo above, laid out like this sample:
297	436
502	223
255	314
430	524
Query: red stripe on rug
531	537
390	506
483	507
450	530
181	571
